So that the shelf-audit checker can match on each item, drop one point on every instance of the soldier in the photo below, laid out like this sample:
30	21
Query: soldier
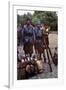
47	28
19	34
43	40
38	41
28	38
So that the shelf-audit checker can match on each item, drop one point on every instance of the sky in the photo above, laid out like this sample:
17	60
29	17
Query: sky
21	12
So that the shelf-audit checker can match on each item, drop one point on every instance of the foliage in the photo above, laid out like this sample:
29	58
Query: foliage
46	17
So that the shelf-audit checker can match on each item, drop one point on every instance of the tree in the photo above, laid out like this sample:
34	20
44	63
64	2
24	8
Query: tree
46	17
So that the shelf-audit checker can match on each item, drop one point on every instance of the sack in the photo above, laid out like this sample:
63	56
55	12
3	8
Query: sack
40	66
21	72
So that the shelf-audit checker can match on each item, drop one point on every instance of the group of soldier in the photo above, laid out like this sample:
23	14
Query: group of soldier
34	38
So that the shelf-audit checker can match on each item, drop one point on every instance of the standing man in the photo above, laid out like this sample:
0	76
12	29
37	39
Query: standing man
47	28
19	34
38	41
28	38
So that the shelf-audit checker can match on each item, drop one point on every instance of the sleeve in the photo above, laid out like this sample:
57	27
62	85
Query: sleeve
34	34
23	35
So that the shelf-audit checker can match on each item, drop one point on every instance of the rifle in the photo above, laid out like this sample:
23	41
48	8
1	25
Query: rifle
48	51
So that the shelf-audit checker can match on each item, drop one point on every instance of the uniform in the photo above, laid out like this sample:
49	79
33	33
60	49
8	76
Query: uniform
28	39
38	40
46	37
19	35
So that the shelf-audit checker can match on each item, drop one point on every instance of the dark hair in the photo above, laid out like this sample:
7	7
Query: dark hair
28	19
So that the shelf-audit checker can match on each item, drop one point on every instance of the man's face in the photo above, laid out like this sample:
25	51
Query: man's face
28	22
46	26
38	25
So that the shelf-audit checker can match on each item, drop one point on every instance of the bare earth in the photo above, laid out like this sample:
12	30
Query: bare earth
53	42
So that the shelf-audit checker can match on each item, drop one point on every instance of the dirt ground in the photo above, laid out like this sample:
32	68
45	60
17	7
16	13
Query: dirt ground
53	42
